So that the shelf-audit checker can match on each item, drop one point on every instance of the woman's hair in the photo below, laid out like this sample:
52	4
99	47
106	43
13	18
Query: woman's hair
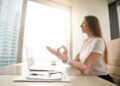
95	28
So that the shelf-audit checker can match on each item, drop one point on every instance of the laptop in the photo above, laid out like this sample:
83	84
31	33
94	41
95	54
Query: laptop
31	63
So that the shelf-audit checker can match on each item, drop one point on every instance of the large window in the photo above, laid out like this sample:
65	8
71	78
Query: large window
45	26
10	17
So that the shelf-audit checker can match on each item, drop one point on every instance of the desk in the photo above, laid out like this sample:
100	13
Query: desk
20	69
74	75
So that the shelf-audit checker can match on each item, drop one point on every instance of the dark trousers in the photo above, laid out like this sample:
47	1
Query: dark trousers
106	77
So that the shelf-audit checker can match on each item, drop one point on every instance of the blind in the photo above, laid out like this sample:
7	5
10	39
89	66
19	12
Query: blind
10	17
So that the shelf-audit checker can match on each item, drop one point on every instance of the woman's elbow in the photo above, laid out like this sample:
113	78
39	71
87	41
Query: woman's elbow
84	68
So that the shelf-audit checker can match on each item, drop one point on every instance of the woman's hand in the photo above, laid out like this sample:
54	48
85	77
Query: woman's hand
53	51
58	53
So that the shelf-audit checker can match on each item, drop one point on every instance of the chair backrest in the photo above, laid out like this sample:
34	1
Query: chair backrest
113	66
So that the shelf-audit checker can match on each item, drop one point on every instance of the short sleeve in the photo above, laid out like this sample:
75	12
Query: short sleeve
98	46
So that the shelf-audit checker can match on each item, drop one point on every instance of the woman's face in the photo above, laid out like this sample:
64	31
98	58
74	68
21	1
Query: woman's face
84	26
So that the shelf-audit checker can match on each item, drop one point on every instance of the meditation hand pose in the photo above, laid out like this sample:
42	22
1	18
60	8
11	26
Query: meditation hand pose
58	53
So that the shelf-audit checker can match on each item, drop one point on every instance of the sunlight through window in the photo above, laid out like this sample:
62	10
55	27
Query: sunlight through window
45	26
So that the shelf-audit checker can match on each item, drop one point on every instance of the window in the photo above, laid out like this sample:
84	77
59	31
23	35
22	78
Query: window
10	17
45	26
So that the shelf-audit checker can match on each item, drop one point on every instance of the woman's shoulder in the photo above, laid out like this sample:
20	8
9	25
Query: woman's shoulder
98	40
94	39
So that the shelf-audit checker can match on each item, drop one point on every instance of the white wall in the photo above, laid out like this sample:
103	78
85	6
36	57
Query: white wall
81	8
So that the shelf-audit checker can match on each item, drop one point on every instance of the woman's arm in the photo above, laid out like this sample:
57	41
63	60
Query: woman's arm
77	57
89	61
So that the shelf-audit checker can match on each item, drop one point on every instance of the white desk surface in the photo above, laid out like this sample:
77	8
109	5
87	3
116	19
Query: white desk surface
9	73
7	80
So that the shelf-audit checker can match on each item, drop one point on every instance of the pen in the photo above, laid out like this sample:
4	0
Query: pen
35	74
54	73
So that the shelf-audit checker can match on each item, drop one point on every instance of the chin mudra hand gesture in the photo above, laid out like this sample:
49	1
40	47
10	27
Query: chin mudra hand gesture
58	53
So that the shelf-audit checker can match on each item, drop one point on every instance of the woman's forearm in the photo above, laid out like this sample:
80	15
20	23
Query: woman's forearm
78	65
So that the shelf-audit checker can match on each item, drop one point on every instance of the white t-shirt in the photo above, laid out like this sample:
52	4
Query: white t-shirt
97	45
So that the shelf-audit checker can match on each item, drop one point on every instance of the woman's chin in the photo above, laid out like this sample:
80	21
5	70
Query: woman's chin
83	31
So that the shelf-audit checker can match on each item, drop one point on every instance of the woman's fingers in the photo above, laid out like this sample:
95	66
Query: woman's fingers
65	49
61	54
62	49
58	50
53	51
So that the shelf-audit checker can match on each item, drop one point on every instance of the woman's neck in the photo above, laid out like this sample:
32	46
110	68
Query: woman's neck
89	36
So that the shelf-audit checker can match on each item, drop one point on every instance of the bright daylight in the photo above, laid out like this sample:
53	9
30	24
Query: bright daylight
45	26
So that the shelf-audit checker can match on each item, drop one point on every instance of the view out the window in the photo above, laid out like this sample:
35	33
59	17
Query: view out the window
45	26
10	18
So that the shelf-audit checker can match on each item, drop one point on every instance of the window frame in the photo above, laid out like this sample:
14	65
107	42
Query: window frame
52	3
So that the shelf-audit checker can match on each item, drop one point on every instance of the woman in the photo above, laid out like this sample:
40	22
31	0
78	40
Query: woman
92	57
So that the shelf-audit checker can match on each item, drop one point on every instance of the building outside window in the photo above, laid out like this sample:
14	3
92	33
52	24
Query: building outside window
10	17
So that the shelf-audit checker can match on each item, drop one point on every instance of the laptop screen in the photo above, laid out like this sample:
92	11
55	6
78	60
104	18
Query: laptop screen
29	55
